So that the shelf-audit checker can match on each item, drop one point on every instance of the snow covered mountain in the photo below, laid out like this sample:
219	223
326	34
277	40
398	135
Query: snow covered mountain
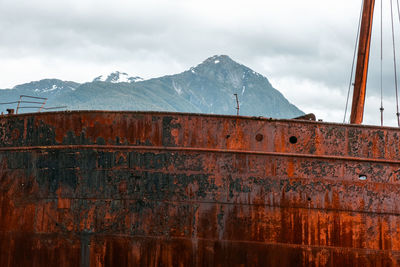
118	77
208	87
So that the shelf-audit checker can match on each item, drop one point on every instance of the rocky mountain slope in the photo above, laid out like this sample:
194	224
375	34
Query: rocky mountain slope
207	88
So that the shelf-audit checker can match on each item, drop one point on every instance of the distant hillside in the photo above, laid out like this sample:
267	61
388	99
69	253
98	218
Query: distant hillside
206	88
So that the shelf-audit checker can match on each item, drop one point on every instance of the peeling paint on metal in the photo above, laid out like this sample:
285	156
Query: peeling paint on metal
167	189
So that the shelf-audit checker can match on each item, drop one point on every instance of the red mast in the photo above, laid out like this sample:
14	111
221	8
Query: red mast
357	108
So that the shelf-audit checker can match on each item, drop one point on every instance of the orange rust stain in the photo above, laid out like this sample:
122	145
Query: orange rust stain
290	168
318	147
201	206
64	203
211	140
61	125
122	187
175	133
280	142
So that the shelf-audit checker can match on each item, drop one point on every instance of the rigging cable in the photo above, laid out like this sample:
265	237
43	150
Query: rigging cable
397	99
352	65
381	108
394	64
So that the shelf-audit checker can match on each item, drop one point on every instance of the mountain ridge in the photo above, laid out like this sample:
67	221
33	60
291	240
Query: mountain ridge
208	87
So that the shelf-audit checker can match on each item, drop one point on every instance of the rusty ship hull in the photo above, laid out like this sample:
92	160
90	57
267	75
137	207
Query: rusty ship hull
97	188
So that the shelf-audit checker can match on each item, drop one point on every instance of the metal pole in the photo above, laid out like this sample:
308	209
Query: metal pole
357	109
237	104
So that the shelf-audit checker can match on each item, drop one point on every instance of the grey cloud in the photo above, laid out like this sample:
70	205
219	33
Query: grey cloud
167	35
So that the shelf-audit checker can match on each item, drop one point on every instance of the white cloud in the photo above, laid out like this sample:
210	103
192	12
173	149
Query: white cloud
304	47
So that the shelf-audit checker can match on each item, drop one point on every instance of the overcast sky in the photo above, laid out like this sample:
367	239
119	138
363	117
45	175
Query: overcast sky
304	47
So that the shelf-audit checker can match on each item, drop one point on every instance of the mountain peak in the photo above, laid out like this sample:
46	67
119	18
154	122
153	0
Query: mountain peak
220	63
218	59
117	77
226	71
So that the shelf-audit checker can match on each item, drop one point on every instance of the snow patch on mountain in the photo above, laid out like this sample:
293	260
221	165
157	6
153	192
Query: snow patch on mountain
178	89
118	77
50	89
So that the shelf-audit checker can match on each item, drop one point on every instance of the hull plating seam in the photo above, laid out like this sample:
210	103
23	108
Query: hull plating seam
244	242
227	151
282	207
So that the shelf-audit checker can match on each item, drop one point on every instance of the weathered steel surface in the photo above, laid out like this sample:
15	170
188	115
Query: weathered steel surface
167	189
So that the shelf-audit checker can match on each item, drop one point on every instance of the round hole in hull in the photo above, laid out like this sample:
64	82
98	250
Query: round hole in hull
259	137
293	139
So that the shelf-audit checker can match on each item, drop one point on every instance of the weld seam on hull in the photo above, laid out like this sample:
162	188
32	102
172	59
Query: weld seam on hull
324	210
211	150
278	244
